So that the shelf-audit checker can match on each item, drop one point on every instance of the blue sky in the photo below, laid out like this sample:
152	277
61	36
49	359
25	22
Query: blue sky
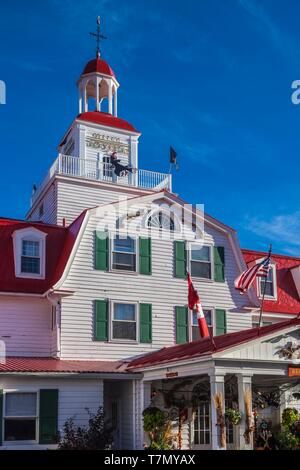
210	77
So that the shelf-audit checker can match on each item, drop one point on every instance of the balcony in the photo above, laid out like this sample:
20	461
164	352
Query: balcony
92	170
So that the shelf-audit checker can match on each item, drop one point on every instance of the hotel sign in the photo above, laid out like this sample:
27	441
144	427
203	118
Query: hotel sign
169	375
107	143
294	371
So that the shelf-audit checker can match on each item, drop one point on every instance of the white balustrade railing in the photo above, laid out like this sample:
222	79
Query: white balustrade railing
99	171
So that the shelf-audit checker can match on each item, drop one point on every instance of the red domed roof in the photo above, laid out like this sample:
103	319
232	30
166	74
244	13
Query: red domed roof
98	65
106	119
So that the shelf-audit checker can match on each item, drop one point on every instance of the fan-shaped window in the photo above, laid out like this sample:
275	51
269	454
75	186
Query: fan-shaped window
161	220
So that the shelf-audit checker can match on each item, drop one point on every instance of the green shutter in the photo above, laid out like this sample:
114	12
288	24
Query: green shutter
181	324
180	259
48	416
145	255
145	323
101	320
1	415
219	260
220	322
101	250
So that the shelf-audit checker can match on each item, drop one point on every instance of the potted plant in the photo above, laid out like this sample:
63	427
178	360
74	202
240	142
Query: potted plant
233	415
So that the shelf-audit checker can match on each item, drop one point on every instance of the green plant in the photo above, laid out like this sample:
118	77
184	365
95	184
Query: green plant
295	428
96	436
158	428
287	441
233	415
289	416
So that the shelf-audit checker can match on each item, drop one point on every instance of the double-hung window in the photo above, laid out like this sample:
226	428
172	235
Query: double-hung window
30	257
200	261
20	416
124	321
195	334
268	285
124	253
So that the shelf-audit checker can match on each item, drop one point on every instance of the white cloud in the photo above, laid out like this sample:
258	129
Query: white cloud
281	229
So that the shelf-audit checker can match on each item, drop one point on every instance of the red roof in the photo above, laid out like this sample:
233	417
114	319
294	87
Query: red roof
288	300
106	119
59	244
37	364
98	65
205	347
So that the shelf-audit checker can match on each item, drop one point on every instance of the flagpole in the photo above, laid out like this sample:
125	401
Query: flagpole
263	296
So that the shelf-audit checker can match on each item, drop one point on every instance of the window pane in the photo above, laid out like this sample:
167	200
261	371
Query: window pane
269	288
124	312
124	244
199	269
30	265
124	330
208	317
20	404
124	261
200	253
19	430
195	333
30	248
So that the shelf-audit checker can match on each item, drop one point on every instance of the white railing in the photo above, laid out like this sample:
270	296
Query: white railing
93	170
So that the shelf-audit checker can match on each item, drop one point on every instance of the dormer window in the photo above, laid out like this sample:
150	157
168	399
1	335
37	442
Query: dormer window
29	253
30	259
268	285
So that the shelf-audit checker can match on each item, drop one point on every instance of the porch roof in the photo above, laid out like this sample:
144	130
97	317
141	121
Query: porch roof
48	365
207	347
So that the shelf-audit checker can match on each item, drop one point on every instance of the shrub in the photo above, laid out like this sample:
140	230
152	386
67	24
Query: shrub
97	435
289	416
158	428
287	441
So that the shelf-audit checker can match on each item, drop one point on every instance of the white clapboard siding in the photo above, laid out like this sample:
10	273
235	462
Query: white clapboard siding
75	396
266	349
25	326
160	289
73	197
49	201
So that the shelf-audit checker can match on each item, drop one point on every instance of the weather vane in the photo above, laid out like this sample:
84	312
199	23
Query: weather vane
98	37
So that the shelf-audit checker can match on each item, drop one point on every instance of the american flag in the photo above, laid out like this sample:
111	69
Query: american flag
245	280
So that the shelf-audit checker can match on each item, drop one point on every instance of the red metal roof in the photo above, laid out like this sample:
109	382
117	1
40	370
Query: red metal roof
59	244
38	364
288	300
106	119
98	65
205	347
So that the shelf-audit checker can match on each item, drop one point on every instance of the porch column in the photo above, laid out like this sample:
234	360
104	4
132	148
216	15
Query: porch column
216	386
244	385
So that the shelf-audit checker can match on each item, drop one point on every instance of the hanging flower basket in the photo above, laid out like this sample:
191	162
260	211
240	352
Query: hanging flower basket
233	415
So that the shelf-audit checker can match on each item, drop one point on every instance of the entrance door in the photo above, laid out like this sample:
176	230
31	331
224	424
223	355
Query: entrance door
201	430
115	422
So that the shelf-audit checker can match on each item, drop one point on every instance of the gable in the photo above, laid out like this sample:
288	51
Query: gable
281	347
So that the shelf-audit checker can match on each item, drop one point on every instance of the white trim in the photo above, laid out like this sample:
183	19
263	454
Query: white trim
137	322
259	279
73	253
189	260
136	253
36	417
29	234
190	323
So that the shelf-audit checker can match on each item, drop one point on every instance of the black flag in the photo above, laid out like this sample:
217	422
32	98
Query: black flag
173	156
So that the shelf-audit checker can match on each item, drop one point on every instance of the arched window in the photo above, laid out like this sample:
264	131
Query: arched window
161	220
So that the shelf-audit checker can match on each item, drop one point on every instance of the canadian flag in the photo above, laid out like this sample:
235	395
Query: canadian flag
195	305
